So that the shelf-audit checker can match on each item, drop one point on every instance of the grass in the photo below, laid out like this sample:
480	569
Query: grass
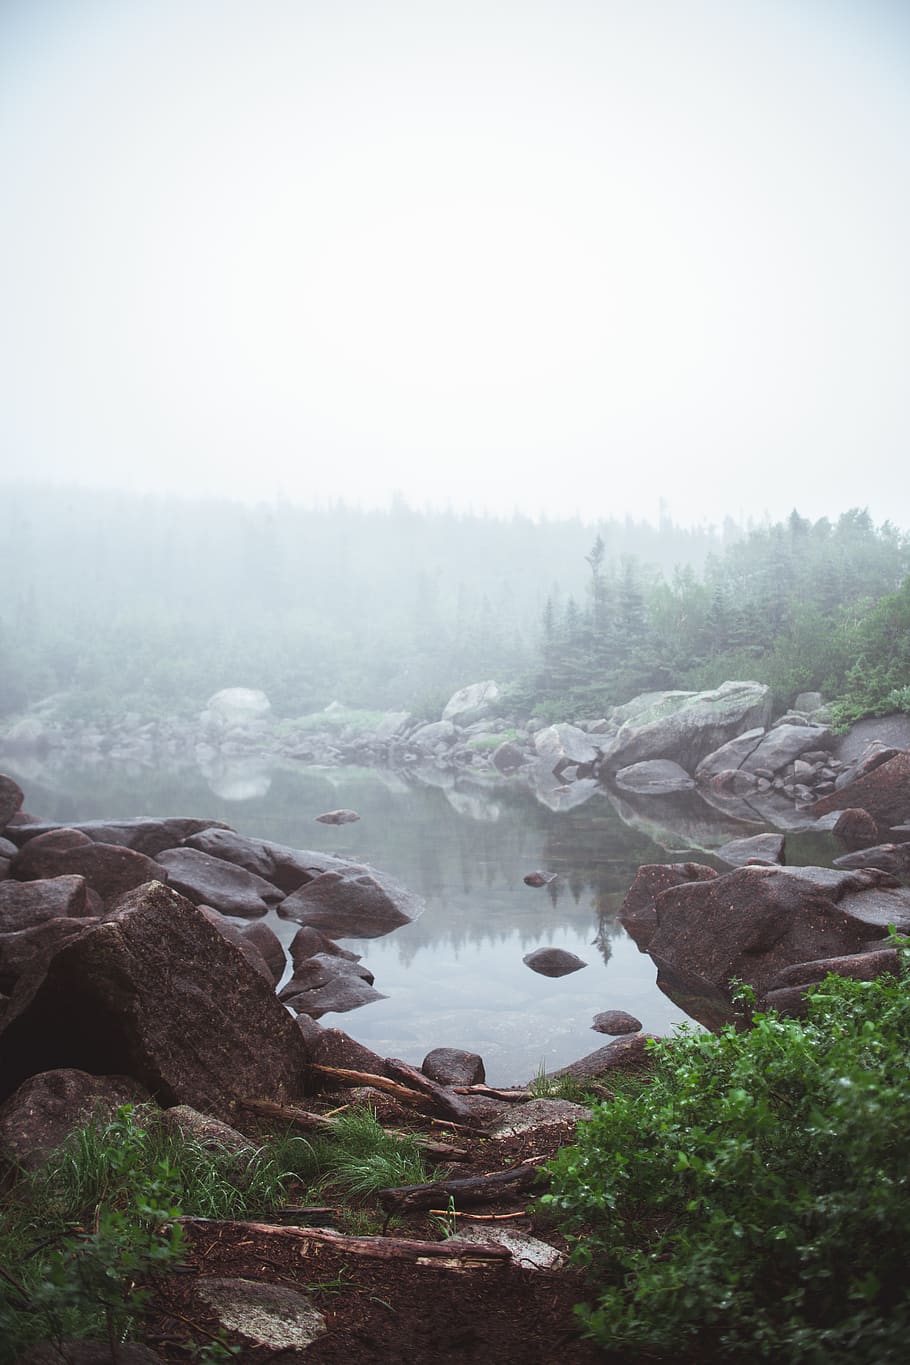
83	1239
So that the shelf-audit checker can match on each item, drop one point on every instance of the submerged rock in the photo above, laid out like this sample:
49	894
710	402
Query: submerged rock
553	962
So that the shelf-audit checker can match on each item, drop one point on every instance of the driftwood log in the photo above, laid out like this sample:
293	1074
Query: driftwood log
477	1189
450	1255
424	1095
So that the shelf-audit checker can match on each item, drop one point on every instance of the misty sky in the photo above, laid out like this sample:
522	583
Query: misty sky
562	256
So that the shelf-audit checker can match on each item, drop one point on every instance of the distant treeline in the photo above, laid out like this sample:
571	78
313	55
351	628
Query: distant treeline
127	603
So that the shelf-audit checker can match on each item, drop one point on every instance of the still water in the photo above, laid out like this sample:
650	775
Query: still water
455	977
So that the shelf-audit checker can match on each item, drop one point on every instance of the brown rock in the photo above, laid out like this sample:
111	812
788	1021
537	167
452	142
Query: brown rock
108	869
46	1108
638	914
148	834
327	984
884	792
553	962
629	1051
24	904
267	942
11	799
229	929
856	829
285	867
334	1047
616	1022
307	942
156	993
338	817
211	881
887	857
355	903
452	1066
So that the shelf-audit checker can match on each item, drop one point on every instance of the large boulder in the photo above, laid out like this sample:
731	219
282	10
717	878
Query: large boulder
472	703
355	903
685	726
109	869
437	735
729	756
154	992
211	881
27	951
237	706
884	792
638	913
327	984
285	867
783	744
654	777
564	746
750	923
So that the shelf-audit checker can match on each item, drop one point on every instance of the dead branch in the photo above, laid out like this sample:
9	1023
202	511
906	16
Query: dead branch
477	1189
451	1255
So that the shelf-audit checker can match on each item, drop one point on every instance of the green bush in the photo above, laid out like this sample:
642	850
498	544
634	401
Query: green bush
753	1202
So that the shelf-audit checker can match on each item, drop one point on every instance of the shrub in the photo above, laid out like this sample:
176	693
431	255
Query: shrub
753	1202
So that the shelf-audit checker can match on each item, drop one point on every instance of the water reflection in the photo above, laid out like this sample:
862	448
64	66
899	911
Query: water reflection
455	976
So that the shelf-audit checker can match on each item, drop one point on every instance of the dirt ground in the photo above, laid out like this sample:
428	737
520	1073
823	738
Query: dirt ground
382	1311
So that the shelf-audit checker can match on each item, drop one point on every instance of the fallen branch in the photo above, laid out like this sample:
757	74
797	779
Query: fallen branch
491	1093
427	1097
451	1255
303	1118
477	1189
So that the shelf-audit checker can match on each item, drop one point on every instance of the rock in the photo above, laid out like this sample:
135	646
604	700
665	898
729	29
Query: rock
884	792
211	881
338	817
109	869
334	1047
28	950
616	1022
564	746
154	992
765	848
188	1125
355	903
24	904
230	930
38	1117
538	879
535	1114
887	857
685	726
553	962
527	1252
269	946
451	1066
860	966
734	782
326	984
749	924
807	702
630	1051
439	734
11	798
638	913
654	776
238	706
507	757
287	868
307	942
145	833
856	829
782	745
263	1314
472	703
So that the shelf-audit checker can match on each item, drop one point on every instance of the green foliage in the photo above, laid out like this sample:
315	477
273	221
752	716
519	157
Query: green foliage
753	1201
360	1158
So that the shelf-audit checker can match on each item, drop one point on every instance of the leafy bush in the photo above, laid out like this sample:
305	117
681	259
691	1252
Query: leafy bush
753	1202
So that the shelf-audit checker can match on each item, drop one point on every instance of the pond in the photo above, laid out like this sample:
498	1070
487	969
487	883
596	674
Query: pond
455	976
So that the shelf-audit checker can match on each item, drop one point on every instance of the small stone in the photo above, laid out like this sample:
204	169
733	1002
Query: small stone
616	1022
451	1066
338	817
553	962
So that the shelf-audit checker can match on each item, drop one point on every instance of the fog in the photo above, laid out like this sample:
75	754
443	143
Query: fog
575	258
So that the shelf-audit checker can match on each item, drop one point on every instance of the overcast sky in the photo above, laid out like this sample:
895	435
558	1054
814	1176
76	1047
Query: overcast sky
569	255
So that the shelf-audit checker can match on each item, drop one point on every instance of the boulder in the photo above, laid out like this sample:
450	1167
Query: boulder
28	950
327	984
452	1066
439	734
884	792
730	755
783	744
238	706
229	929
472	703
750	923
638	913
630	1051
507	757
307	942
211	881
109	869
616	1022
188	1125
553	962
11	798
40	1115
887	857
564	746
762	848
356	903
855	829
24	904
655	776
787	993
146	834
154	992
269	946
287	868
334	1047
685	726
